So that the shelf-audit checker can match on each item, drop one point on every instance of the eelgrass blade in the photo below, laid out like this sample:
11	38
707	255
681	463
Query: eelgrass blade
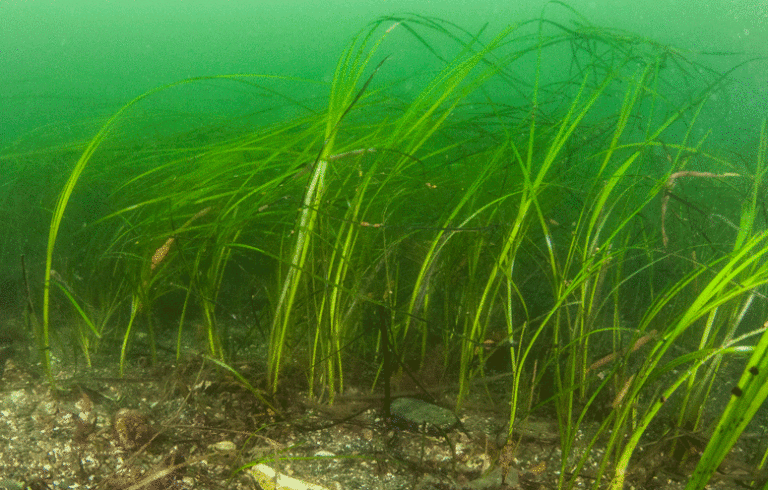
747	396
726	285
66	194
257	393
79	310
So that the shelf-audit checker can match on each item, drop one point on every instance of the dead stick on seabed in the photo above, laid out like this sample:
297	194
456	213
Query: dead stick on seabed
668	192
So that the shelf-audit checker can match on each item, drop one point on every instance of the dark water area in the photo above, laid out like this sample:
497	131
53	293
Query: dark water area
71	63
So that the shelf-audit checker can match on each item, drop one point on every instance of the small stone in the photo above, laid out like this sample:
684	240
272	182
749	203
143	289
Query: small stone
223	446
494	479
132	428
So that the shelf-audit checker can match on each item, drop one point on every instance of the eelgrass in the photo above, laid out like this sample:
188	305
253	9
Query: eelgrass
64	198
486	205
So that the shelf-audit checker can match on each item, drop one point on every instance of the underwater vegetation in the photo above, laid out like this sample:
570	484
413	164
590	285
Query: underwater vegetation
550	188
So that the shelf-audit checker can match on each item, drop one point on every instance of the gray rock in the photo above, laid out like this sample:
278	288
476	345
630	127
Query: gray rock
414	413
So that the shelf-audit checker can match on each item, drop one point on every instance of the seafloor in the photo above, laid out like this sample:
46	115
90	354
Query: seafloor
193	425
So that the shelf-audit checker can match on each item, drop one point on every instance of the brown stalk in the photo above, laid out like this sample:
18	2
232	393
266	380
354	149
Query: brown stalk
161	252
613	355
623	392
